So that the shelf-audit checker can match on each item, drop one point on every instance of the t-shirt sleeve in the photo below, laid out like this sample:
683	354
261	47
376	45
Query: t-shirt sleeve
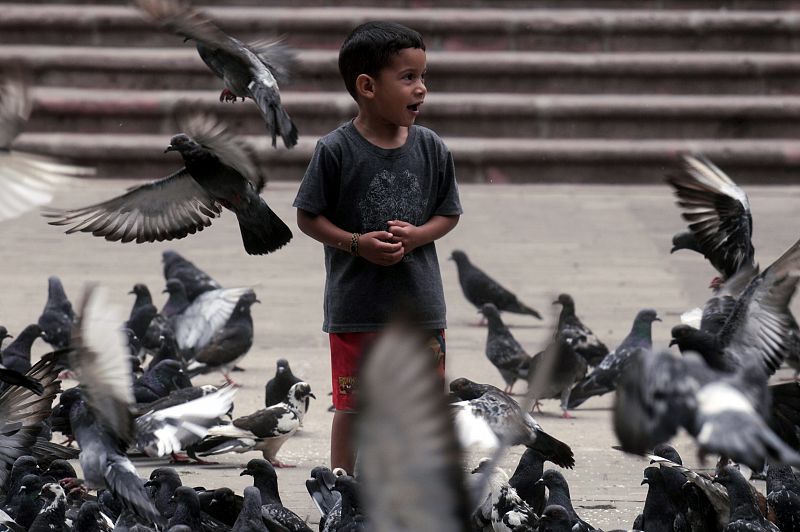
318	191
447	201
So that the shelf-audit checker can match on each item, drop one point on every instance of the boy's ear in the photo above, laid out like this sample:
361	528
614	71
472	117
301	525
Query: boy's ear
365	86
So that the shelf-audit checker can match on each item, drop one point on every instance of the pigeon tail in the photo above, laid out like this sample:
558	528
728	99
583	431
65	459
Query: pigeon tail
519	307
262	231
277	119
285	127
553	449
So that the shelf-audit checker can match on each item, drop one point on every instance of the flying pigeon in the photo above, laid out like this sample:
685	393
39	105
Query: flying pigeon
248	70
26	180
581	337
220	171
604	377
265	430
718	212
503	350
57	317
479	288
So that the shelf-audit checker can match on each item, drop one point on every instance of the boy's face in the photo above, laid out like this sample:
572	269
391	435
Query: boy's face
399	89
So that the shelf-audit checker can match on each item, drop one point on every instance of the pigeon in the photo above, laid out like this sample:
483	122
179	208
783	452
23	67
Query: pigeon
162	485
409	456
54	509
479	288
673	484
529	470
99	413
7	521
166	349
745	515
17	356
26	180
503	350
783	495
194	280
322	488
206	317
718	212
661	392
248	70
278	386
230	343
159	381
222	504
143	298
57	317
494	418
581	338
249	519
556	370
558	493
658	514
604	377
187	509
220	171
21	467
555	518
264	479
178	299
22	413
26	504
265	430
91	519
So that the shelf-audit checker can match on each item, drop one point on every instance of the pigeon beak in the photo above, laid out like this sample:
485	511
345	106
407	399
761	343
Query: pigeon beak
673	250
673	342
245	472
12	336
149	483
312	395
131	292
164	291
539	482
169	148
257	301
556	302
656	319
644	481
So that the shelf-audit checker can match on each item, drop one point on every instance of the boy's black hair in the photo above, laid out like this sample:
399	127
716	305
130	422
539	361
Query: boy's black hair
370	47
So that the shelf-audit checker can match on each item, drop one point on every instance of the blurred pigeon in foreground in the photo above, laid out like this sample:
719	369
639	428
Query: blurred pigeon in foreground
604	377
558	374
220	171
26	180
278	386
718	212
479	288
581	337
248	70
265	430
503	350
57	317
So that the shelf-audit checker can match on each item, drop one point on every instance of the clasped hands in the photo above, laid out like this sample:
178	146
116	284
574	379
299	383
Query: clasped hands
386	248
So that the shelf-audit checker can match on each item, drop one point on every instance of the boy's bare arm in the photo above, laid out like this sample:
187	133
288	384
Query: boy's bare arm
412	236
375	247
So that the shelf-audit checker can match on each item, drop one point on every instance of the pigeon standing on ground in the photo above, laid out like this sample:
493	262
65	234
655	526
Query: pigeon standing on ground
558	493
480	289
26	180
718	212
278	386
53	513
745	515
556	370
194	280
529	470
503	350
159	381
220	171
604	377
581	337
555	518
249	519
658	514
17	356
205	318
57	317
248	70
162	485
264	478
783	495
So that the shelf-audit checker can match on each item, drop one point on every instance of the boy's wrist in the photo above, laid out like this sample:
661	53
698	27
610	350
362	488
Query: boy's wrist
354	238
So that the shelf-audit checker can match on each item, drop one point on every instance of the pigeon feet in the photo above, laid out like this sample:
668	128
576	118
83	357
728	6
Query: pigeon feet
228	96
178	458
73	485
278	464
537	406
230	381
566	415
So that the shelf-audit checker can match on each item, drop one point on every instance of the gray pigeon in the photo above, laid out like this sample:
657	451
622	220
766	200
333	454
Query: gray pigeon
194	280
783	495
480	289
26	180
529	470
658	514
745	515
581	337
555	518
17	356
220	171
604	377
57	317
503	350
248	70
162	485
249	519
265	479
278	386
558	494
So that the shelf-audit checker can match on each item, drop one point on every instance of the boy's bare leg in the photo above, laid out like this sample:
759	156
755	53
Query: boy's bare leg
343	452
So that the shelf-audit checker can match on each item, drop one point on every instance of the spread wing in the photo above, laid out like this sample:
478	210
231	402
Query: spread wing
205	316
166	209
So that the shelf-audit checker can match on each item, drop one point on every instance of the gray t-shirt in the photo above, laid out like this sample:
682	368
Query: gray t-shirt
360	187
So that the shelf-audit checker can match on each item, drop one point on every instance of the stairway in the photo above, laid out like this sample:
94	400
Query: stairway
521	90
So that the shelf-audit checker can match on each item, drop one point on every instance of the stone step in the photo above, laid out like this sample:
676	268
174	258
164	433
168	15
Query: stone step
443	28
499	160
519	72
450	114
474	4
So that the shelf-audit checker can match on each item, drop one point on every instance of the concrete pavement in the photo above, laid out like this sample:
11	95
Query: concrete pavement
608	246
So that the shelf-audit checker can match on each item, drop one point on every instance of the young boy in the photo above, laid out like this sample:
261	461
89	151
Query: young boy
378	192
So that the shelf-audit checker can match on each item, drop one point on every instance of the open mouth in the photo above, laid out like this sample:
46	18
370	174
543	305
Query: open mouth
414	107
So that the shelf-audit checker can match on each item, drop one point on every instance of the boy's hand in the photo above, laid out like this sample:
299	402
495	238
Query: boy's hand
378	248
405	233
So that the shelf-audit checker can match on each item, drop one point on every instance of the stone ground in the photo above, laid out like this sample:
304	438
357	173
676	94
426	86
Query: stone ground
608	246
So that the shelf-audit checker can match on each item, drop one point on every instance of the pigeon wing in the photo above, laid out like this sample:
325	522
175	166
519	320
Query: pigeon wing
718	213
100	360
408	450
169	208
198	324
126	485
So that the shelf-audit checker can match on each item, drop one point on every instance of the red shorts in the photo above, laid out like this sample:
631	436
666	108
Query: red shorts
346	350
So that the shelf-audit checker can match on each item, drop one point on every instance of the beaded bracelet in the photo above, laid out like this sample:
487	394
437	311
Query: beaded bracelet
354	244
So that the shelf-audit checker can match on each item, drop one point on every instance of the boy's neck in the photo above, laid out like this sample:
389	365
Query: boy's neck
380	133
